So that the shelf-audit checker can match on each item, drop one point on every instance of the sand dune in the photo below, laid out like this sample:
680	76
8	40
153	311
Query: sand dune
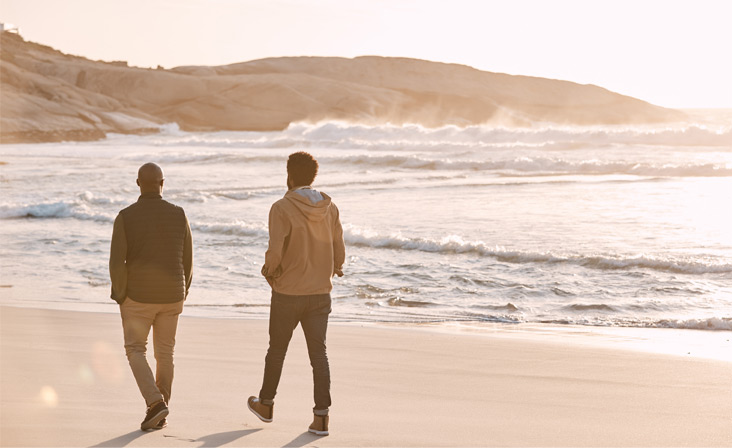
49	96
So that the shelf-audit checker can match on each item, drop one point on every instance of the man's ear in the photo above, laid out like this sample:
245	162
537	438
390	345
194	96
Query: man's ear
162	181
138	182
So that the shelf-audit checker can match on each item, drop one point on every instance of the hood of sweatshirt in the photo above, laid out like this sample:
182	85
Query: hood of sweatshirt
306	200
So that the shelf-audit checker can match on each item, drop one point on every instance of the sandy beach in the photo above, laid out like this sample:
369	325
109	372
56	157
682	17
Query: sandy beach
65	382
520	210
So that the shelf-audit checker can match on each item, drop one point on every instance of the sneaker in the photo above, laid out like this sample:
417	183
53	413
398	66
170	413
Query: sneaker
162	424
262	411
155	413
319	426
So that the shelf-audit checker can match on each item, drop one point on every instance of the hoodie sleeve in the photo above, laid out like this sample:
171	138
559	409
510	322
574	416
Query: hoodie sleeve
279	229
339	246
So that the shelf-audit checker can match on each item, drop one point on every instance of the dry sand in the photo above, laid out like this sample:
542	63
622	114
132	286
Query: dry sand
65	382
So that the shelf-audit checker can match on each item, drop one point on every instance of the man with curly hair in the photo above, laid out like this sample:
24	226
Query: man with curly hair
306	250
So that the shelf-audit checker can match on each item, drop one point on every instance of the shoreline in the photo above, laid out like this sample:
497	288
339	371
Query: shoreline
681	342
65	382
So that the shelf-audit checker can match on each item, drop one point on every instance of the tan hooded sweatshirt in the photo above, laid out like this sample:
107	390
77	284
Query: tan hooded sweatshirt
306	245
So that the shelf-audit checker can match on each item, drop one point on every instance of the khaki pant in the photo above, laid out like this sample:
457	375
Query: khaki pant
137	318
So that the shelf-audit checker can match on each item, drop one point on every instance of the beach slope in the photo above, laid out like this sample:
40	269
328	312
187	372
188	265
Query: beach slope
65	382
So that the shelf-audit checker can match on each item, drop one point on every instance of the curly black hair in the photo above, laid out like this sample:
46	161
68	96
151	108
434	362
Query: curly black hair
302	169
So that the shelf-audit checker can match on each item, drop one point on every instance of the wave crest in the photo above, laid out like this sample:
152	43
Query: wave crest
543	166
347	135
517	166
712	323
455	244
77	209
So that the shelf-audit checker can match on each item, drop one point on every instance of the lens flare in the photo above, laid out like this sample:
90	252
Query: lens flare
49	397
86	375
106	363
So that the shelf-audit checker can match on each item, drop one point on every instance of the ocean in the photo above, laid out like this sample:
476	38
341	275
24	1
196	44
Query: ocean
619	226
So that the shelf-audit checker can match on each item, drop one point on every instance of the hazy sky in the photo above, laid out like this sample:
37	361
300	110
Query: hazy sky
672	53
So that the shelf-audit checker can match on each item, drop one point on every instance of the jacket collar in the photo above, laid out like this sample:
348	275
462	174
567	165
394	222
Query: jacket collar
150	196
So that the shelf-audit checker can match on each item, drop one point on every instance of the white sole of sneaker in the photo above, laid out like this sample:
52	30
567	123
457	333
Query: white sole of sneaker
318	433
265	420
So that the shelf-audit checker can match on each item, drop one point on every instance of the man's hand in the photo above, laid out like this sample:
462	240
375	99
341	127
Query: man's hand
269	278
338	272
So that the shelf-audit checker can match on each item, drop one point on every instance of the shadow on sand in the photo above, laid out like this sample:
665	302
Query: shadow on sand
222	438
211	440
302	440
122	440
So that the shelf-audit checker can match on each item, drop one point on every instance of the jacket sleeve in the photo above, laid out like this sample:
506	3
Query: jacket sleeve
118	261
279	230
188	256
339	246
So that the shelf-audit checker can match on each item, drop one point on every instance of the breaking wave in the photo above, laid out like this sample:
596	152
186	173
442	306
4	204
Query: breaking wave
713	323
62	209
237	228
537	165
452	244
348	135
544	166
456	245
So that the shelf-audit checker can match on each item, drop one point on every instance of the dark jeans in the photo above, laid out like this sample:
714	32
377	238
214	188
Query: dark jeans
311	312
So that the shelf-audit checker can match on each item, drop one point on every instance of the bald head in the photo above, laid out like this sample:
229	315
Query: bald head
150	178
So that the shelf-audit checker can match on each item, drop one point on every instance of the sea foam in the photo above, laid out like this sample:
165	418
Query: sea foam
354	236
61	209
514	166
453	244
346	135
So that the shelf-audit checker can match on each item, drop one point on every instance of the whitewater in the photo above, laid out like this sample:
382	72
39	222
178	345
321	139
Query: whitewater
602	226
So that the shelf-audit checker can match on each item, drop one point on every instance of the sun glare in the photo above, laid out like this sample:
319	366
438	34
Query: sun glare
48	396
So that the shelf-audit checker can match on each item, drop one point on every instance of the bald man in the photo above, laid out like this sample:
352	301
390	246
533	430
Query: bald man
150	265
